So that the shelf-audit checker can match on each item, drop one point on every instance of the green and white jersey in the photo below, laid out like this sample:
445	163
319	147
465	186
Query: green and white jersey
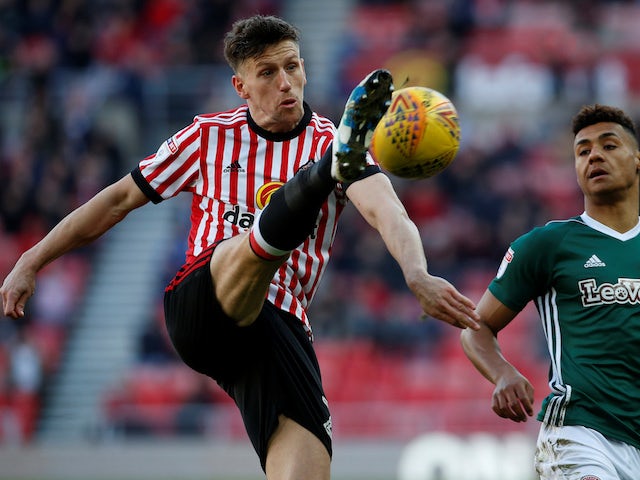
584	278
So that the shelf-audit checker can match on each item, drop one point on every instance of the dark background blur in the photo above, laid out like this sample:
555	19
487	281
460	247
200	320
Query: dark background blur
88	88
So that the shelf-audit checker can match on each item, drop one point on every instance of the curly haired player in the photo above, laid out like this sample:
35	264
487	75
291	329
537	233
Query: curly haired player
583	274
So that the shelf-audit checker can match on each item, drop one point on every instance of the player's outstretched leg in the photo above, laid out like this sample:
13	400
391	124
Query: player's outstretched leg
366	105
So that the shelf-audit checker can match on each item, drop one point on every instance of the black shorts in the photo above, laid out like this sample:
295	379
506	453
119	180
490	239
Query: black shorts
268	368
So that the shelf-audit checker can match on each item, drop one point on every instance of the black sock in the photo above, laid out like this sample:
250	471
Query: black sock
293	209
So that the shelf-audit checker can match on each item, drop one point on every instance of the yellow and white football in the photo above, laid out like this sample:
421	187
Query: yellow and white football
419	135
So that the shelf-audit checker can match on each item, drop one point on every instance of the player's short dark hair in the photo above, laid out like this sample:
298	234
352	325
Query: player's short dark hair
250	37
592	114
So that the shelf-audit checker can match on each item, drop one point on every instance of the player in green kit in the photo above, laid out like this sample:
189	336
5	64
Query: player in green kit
583	274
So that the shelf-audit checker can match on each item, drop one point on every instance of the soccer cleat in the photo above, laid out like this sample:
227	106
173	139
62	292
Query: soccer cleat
366	105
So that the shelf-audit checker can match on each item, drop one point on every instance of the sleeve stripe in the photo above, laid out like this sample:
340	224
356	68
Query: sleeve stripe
143	185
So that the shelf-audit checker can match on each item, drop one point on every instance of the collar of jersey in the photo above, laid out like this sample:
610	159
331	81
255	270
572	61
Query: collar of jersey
602	228
281	136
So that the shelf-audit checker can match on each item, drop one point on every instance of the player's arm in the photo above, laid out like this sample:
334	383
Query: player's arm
79	228
513	394
384	211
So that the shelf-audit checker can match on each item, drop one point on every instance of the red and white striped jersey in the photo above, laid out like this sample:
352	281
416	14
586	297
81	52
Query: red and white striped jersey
231	166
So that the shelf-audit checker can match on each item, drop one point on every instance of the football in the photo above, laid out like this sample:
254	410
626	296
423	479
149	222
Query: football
418	136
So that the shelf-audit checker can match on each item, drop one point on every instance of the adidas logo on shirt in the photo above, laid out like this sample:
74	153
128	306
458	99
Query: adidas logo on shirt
594	261
234	167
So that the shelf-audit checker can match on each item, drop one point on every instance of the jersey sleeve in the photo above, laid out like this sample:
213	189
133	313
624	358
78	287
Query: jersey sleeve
174	168
525	270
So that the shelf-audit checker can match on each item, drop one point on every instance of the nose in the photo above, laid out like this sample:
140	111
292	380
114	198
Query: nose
285	84
595	154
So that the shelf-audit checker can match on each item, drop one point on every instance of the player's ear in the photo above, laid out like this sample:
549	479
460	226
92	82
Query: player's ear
238	86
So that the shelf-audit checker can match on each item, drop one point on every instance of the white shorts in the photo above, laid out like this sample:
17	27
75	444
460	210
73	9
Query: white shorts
580	453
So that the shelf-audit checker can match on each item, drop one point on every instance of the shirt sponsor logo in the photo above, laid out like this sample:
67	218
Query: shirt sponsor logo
625	291
245	219
236	217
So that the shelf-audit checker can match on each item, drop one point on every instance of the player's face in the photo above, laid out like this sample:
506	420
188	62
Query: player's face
607	161
273	86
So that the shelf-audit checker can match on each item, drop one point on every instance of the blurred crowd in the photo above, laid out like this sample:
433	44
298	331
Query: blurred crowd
72	103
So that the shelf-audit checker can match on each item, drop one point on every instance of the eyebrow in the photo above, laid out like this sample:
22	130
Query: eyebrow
602	136
262	62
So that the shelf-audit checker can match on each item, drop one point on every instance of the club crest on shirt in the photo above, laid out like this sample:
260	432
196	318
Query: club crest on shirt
263	195
506	260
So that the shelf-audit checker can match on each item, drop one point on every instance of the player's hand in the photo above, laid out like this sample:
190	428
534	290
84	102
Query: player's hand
16	290
439	299
513	397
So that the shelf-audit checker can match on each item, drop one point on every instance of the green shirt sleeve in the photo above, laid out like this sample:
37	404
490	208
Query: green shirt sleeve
525	271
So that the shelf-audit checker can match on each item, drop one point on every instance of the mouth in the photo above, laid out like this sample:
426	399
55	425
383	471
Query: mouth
289	102
598	172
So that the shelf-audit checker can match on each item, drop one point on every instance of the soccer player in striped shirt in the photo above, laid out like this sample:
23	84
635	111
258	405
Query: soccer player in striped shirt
583	274
268	182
